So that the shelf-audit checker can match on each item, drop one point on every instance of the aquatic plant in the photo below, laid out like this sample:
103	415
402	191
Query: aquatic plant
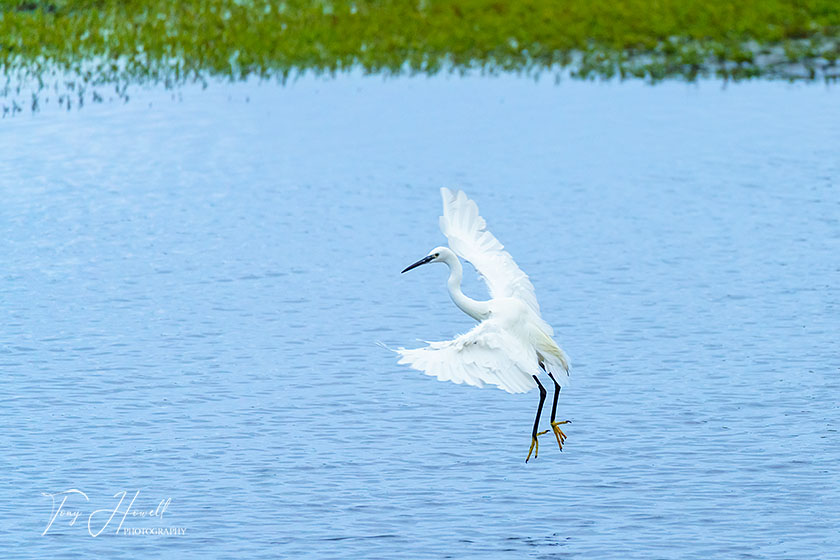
113	43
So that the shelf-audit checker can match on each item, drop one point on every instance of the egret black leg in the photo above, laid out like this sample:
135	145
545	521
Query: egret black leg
555	426
556	395
534	443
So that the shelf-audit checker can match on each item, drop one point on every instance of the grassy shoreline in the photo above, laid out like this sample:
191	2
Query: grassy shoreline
125	42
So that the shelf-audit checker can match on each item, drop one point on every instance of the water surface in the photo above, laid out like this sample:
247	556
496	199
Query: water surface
193	291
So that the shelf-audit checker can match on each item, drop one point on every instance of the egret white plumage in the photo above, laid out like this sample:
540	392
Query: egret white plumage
512	344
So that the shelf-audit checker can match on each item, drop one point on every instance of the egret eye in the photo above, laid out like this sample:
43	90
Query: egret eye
437	255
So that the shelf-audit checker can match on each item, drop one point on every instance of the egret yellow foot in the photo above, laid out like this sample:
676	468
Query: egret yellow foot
558	433
535	447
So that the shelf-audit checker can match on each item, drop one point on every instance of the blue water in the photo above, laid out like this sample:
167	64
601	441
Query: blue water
193	290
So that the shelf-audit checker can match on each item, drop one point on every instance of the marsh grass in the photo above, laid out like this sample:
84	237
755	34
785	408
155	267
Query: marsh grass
108	43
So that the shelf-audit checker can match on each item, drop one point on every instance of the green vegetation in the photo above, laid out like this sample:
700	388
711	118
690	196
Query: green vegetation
121	42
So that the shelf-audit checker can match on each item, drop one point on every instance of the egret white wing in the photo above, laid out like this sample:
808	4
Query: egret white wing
486	355
468	237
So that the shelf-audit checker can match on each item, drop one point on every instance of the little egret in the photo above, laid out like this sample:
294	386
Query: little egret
512	344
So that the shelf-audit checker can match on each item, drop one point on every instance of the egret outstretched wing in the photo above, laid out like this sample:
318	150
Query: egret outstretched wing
486	355
467	233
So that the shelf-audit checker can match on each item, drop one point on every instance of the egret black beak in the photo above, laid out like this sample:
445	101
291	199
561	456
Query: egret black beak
424	260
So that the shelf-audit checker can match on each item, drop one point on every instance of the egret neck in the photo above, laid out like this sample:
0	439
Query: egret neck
478	310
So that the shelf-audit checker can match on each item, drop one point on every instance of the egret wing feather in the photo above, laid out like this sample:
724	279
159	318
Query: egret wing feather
468	237
487	355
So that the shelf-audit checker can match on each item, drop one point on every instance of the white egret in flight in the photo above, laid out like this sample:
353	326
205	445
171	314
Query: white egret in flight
512	344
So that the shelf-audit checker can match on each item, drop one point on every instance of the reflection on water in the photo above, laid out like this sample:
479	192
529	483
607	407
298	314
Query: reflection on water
194	292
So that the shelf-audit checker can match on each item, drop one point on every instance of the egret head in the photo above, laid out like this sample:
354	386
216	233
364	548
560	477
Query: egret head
438	254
